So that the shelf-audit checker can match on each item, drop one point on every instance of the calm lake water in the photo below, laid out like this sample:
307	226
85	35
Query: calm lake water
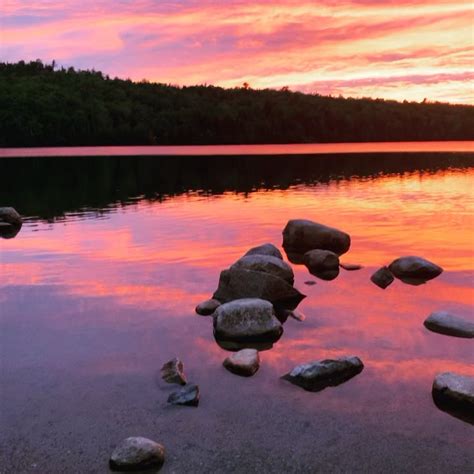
98	290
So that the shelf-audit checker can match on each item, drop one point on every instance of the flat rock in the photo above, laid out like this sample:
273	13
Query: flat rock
265	249
245	362
317	375
382	277
414	268
238	283
301	235
173	372
350	266
188	395
11	216
267	264
137	453
247	319
206	308
445	323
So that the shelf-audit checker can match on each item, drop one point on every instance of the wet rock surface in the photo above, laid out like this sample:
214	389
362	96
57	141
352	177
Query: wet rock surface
247	319
301	235
173	372
137	453
414	268
446	323
267	264
382	278
188	396
265	249
244	362
207	308
317	375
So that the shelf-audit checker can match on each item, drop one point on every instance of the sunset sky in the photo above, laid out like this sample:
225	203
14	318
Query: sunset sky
407	49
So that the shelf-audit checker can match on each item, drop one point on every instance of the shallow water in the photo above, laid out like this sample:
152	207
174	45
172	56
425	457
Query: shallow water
98	290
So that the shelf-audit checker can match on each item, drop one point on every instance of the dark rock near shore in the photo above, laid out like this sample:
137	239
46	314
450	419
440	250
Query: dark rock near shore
11	216
443	322
267	264
236	283
173	372
207	308
265	249
350	266
188	395
247	319
301	235
382	278
244	362
137	453
414	268
322	263
317	375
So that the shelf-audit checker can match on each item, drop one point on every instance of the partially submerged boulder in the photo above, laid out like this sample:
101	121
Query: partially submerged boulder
137	453
206	308
267	264
173	372
443	322
188	395
382	278
322	263
11	216
247	319
265	249
301	235
414	268
317	375
238	283
244	362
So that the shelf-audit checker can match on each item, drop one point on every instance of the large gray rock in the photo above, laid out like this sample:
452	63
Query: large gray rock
173	372
10	215
237	283
137	453
445	323
188	395
382	278
322	263
317	375
414	268
206	308
247	319
301	235
267	264
265	249
244	362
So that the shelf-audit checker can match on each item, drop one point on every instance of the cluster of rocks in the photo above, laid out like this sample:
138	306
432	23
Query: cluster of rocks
10	222
173	372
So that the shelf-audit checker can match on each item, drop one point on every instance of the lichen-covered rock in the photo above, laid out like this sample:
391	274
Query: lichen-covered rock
382	278
188	395
267	264
11	216
414	268
265	249
443	322
322	263
238	283
247	319
206	308
317	375
137	453
244	362
301	235
173	372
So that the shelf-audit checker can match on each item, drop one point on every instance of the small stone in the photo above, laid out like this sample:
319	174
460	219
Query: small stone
188	395
137	453
206	308
414	268
318	261
245	362
350	266
293	313
265	249
382	278
173	372
310	282
443	322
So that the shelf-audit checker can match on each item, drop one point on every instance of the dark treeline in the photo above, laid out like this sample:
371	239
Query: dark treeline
41	105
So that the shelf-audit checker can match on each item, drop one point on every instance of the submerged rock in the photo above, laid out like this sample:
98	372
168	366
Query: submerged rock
310	282
247	319
317	375
267	264
245	362
238	283
301	235
350	266
265	249
188	395
206	308
454	394
11	216
382	278
445	323
414	268
137	453
322	263
173	372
